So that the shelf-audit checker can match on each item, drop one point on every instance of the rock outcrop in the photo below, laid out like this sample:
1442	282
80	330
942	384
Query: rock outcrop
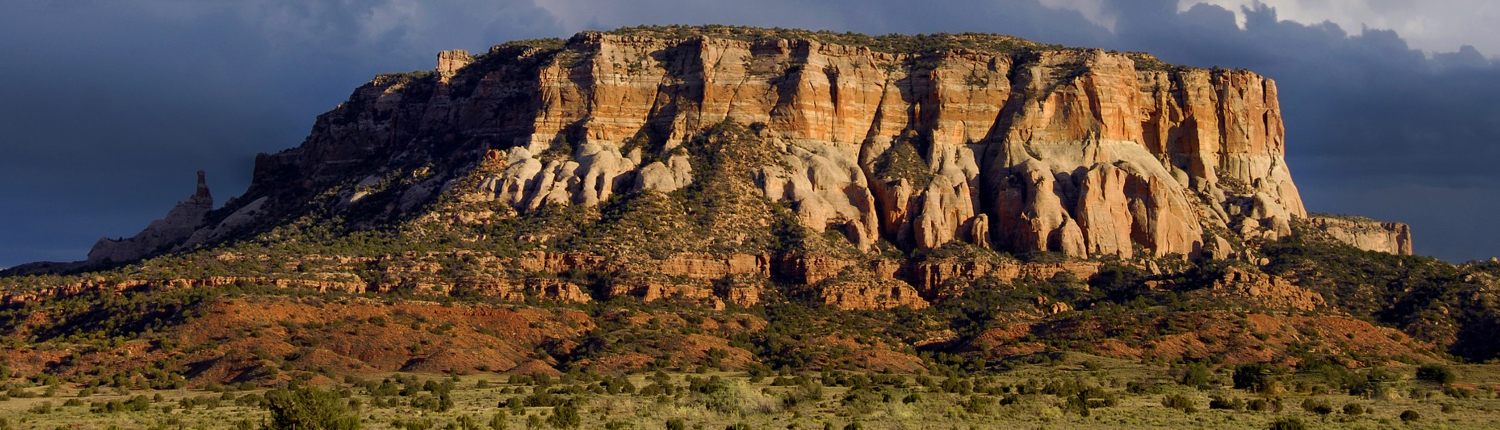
1365	233
161	235
1004	143
1263	291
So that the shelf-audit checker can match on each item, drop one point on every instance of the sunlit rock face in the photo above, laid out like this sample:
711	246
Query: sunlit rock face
1006	144
1366	234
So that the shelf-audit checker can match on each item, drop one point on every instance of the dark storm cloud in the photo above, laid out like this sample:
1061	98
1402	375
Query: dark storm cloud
108	107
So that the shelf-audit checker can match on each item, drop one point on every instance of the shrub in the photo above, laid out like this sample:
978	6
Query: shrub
497	421
1410	415
308	408
1258	405
808	390
1196	375
1317	406
414	424
1142	387
717	394
565	417
1078	404
1436	373
1253	377
1179	402
1288	423
676	424
516	406
1232	404
1353	409
41	408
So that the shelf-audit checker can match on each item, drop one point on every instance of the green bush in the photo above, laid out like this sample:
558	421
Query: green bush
1258	405
1179	402
1196	375
1288	423
1317	406
808	391
565	417
1253	377
41	408
1232	404
308	408
1410	415
1353	409
1436	373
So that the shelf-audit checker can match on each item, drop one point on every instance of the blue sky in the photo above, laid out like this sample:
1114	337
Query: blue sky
109	107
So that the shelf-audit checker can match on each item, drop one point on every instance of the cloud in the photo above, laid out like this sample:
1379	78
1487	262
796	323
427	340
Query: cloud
1430	25
109	107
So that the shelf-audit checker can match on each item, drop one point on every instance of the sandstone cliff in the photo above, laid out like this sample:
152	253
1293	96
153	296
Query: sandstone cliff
1365	233
989	140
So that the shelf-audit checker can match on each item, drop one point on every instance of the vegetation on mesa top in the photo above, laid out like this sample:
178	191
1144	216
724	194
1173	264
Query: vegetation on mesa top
899	43
892	43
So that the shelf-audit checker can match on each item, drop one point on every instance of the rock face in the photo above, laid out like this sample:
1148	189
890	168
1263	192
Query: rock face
1365	233
161	235
1004	143
991	141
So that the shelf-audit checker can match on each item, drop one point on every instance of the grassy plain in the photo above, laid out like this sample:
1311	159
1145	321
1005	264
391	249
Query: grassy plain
1070	391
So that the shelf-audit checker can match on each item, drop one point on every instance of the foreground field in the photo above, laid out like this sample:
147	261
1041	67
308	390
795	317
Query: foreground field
1064	391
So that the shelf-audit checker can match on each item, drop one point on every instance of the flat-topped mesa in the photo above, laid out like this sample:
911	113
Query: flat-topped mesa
920	140
161	235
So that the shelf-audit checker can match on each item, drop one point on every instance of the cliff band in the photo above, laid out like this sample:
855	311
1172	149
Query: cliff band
988	140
